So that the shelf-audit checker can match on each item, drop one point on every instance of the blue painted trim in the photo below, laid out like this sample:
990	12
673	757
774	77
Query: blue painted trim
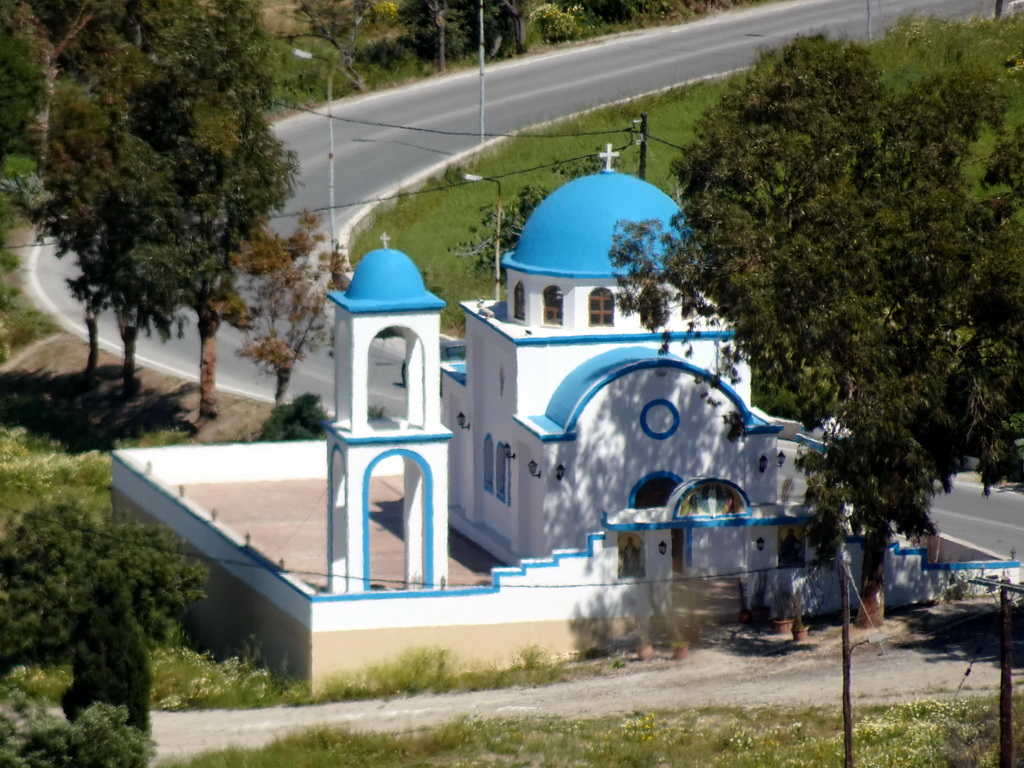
489	463
500	477
534	425
582	384
809	442
697	482
688	549
646	427
496	576
332	503
723	521
426	303
389	437
651	476
459	377
428	513
598	338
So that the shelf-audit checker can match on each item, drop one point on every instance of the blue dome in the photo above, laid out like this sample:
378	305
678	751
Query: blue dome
570	233
386	280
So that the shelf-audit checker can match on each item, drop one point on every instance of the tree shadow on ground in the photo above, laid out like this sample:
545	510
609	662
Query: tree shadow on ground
58	407
967	630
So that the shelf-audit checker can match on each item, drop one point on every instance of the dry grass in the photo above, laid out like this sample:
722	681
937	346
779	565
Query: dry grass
47	375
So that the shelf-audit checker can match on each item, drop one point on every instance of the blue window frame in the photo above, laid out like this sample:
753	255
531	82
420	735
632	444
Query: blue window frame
489	464
501	473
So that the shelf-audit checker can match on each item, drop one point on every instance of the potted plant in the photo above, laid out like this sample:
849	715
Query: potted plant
800	629
644	648
680	649
783	602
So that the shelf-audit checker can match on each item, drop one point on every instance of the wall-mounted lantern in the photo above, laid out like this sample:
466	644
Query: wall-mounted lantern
780	459
662	547
462	421
760	543
534	469
560	471
507	450
762	463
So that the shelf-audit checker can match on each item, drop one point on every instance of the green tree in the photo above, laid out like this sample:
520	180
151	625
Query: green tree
21	93
52	562
110	661
205	115
108	202
286	281
831	222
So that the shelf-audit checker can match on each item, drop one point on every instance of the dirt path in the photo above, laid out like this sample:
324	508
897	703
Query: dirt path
926	654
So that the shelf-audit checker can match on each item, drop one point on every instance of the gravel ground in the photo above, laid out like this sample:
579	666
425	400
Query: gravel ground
939	651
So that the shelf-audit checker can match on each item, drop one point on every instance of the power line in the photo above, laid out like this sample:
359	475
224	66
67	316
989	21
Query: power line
438	131
368	201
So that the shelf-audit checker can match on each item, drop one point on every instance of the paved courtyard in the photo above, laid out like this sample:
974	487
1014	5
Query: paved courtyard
286	522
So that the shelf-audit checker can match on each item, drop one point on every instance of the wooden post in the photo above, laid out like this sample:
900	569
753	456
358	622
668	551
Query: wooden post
1005	680
844	591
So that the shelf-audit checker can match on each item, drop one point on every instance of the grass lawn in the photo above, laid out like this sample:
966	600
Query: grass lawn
431	224
918	735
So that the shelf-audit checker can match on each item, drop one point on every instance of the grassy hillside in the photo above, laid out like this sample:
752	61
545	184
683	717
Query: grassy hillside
430	226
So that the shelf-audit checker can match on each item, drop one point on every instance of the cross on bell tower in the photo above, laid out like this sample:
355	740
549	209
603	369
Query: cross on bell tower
608	156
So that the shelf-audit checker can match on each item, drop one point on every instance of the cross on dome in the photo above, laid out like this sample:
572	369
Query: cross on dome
608	156
385	239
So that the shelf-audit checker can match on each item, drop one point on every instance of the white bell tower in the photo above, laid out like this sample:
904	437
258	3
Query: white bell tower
387	295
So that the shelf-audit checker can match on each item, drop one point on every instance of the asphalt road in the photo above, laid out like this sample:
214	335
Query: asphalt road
373	158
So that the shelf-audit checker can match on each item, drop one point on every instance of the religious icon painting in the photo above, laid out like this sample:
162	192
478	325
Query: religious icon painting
791	547
631	556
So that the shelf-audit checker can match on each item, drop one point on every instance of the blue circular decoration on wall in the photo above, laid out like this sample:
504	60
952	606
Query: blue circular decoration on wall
659	419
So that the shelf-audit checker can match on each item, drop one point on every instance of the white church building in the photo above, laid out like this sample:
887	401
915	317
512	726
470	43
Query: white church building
597	465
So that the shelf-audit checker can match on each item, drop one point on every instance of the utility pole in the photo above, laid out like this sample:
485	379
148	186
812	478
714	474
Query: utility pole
1005	680
643	145
1005	664
844	592
480	30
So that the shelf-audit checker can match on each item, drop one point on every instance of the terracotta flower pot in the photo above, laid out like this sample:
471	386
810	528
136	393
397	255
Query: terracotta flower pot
800	635
680	651
745	616
783	626
645	651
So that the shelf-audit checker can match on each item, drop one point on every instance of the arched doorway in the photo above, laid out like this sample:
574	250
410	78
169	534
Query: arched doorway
653	490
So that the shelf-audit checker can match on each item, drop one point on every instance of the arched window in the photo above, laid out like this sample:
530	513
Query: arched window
501	473
488	464
654	492
602	307
519	301
553	305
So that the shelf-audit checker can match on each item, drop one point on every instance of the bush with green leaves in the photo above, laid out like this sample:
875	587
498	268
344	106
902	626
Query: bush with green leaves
31	737
110	663
301	419
52	565
556	25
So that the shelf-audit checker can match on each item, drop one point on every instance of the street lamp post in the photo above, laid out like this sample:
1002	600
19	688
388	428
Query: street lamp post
480	12
497	234
301	54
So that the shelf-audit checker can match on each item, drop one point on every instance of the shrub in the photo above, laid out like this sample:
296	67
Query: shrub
300	419
556	25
